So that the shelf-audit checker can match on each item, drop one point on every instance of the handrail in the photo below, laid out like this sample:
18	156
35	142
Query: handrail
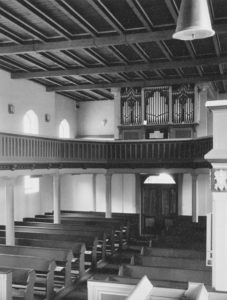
15	148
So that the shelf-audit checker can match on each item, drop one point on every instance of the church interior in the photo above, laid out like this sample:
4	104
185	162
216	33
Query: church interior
113	149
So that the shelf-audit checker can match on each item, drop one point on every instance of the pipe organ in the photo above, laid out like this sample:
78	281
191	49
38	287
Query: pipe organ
157	105
146	111
183	104
131	106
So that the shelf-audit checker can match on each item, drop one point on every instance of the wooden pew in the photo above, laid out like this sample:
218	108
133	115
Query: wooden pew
44	269
119	229
171	262
77	248
118	288
170	252
106	235
166	277
123	288
131	219
23	281
62	257
90	239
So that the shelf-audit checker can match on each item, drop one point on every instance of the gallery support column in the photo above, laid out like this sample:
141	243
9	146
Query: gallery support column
57	198
195	212
94	177
9	197
138	200
108	177
218	158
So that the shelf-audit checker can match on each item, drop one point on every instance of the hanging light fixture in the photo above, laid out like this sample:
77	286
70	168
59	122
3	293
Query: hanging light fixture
193	21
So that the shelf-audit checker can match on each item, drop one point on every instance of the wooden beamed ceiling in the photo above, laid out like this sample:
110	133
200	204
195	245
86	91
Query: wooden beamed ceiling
83	48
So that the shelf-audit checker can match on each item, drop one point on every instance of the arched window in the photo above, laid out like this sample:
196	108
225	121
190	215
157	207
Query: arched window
162	178
64	129
31	123
31	185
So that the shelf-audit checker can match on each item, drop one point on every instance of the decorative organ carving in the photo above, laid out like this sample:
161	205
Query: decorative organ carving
131	106
157	105
183	104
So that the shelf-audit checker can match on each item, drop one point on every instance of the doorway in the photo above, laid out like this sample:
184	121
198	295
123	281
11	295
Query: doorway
159	205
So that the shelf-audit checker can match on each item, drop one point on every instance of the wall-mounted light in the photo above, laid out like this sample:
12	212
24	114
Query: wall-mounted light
11	109
104	122
47	117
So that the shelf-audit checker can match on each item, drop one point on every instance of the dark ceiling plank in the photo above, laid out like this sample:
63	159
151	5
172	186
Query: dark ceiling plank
9	34
72	14
218	53
130	38
22	24
145	83
106	15
122	68
136	9
47	19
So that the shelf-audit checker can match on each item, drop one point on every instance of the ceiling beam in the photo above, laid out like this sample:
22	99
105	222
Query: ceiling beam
122	68
143	83
130	38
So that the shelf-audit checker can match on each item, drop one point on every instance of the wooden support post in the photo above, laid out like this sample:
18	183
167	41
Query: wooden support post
57	198
9	198
5	285
195	212
108	177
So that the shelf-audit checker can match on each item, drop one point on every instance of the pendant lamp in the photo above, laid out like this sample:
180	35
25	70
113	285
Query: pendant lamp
193	21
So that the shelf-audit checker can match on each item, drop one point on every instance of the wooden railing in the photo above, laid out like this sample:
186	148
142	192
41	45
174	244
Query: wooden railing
16	149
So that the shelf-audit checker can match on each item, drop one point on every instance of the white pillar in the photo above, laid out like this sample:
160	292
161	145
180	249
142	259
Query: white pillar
94	190
218	158
108	177
9	197
57	198
138	200
5	285
195	208
180	194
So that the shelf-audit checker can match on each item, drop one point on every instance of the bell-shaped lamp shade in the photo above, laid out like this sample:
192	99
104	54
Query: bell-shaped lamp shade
193	21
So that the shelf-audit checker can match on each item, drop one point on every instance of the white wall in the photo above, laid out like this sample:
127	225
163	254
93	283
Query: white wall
77	193
90	118
26	95
203	195
65	109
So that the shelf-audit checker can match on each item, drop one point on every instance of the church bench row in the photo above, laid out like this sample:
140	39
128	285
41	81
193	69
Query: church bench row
77	248
172	252
131	219
171	262
62	257
165	276
106	234
90	241
44	270
121	231
23	281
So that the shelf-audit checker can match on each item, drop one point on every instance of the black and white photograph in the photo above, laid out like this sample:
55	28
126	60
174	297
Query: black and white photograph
113	149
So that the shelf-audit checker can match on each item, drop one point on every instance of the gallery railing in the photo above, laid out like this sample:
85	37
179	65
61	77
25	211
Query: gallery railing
33	149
